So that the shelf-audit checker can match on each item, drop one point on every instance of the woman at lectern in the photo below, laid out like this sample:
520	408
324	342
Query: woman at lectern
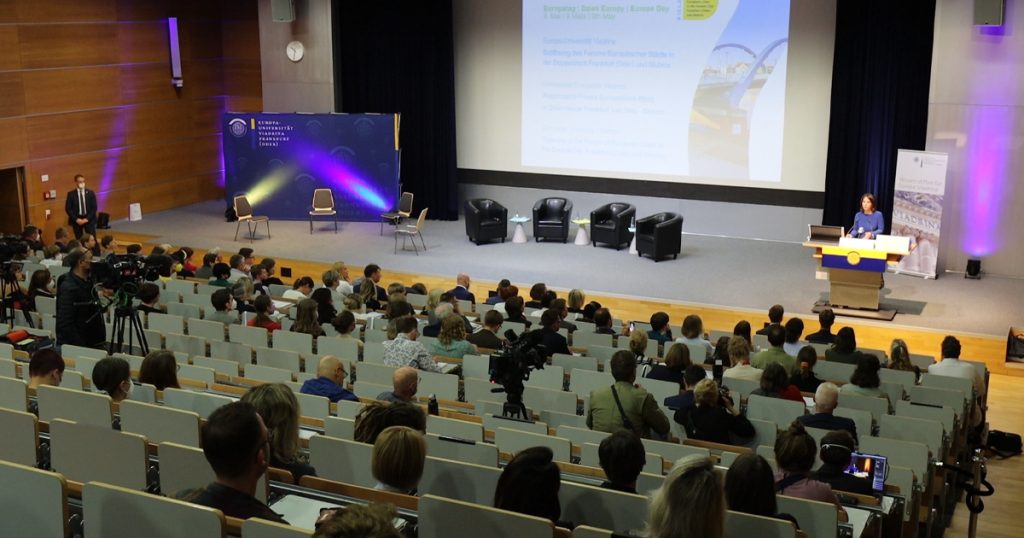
868	222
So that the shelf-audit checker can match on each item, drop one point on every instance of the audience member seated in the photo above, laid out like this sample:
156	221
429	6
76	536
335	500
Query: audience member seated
205	271
660	330
40	285
113	377
529	485
496	296
693	334
46	367
272	279
344	286
677	359
397	307
545	302
514	311
750	488
590	311
329	381
306	321
332	283
371	278
602	321
490	336
690	502
345	324
325	310
794	454
836	448
775	314
223	312
739	357
301	289
441	312
398	457
775	384
638	347
242	292
358	521
375	417
264	308
951	366
692	375
721	353
549	337
899	358
219	275
238	267
51	256
714	417
826	318
865	381
804	378
844	347
625	405
575	301
160	369
404	350
537	292
405	382
561	308
794	330
451	341
32	237
461	289
742	329
237	445
622	458
775	354
149	299
279	409
826	398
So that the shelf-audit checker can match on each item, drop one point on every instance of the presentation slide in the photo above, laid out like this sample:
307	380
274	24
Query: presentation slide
683	88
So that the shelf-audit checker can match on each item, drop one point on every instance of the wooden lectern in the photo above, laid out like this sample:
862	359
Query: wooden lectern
854	269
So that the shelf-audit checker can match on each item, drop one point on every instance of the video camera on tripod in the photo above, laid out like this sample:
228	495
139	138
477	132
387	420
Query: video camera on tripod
11	247
123	273
512	365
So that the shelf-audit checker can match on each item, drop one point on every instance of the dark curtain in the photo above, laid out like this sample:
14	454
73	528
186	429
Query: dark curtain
880	77
398	56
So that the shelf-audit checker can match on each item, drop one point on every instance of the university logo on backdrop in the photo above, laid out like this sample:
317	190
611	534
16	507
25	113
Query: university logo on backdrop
238	127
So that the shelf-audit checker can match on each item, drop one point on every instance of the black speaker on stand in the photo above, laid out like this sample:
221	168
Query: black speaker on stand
103	221
973	269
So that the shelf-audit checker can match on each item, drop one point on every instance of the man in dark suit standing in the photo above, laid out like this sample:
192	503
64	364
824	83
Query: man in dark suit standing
81	208
461	289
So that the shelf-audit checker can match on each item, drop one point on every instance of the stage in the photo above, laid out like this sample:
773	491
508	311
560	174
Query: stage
718	271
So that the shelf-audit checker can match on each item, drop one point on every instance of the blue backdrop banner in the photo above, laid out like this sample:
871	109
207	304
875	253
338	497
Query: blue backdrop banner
277	160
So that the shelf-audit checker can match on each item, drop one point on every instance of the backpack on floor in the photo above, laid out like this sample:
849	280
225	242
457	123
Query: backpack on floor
1004	444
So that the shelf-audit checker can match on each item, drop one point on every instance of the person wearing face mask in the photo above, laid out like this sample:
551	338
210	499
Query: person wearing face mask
81	208
77	320
113	376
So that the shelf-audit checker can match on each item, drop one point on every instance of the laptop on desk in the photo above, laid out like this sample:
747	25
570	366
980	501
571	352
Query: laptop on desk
817	233
870	466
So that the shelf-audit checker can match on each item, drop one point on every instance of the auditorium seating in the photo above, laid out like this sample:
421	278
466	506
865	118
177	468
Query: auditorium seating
610	223
551	219
37	506
486	220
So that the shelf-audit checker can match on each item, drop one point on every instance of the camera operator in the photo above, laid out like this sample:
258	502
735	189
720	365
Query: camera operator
79	319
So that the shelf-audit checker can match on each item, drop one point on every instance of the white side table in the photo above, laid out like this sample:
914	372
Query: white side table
632	244
582	237
519	235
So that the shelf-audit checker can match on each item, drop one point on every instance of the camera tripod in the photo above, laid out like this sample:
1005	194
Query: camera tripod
10	290
126	317
514	406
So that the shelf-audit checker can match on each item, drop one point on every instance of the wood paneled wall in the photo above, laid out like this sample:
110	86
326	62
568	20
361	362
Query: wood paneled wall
85	87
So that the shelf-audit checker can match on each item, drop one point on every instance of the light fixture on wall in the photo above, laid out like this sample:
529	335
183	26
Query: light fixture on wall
973	269
172	34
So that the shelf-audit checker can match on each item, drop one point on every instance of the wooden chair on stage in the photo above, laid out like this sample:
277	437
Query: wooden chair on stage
243	210
323	205
403	211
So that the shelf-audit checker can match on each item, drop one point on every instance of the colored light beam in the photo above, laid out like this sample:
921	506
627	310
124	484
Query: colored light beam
269	184
330	169
985	181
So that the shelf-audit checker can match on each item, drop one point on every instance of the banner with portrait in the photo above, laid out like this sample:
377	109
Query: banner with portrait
917	208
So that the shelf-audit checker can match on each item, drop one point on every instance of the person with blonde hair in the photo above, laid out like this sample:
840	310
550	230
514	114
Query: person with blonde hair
398	457
344	284
451	341
307	318
575	301
279	409
433	299
689	503
714	417
358	521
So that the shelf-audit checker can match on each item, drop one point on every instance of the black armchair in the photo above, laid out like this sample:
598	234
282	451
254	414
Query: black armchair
610	224
551	219
486	220
659	235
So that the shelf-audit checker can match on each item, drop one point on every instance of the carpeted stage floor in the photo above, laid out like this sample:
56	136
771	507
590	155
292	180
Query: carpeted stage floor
710	270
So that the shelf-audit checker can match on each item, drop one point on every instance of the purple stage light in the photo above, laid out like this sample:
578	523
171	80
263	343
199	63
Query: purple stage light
329	168
985	181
